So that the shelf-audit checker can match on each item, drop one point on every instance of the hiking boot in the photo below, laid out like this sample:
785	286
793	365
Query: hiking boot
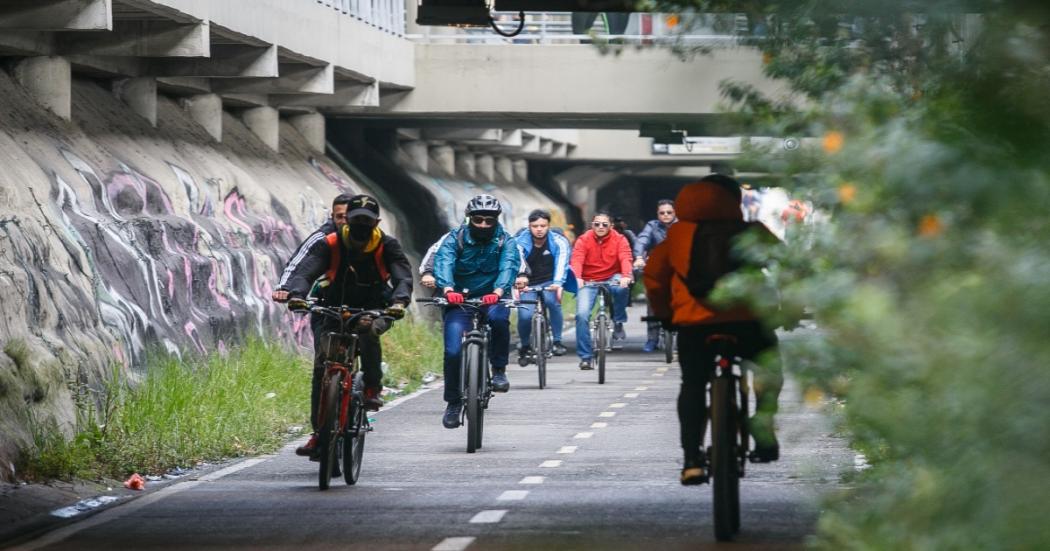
649	346
558	349
585	365
499	381
452	414
694	471
524	355
309	448
372	402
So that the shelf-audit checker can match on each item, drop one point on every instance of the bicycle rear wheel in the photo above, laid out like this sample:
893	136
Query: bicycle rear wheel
328	430
603	340
668	346
472	355
354	440
726	476
539	335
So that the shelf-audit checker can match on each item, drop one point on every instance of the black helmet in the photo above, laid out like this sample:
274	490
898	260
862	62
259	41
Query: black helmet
483	203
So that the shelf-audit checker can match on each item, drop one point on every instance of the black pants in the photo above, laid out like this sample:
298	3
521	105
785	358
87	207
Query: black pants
371	359
697	360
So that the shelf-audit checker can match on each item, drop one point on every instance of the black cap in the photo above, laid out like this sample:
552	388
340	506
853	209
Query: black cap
363	205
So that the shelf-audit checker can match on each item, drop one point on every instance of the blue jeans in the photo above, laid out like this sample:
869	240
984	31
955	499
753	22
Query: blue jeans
457	322
554	315
585	298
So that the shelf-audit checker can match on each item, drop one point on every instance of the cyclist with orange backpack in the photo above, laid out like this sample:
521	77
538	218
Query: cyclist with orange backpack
362	268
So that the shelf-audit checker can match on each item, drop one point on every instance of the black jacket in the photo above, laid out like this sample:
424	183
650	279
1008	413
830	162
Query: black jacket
357	282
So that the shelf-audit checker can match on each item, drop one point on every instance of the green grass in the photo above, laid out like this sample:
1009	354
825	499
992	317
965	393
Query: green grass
411	349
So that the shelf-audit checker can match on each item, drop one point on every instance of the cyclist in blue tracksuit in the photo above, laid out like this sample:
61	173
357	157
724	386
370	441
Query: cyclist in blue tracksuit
479	259
547	254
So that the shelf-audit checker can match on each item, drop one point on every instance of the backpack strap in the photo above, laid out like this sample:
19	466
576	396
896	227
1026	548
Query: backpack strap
384	274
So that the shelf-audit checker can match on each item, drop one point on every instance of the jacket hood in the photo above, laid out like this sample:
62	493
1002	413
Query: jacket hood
707	201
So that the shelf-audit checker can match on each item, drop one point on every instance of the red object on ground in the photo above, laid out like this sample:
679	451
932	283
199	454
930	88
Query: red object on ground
135	482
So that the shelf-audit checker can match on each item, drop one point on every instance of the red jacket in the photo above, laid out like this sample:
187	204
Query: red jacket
596	259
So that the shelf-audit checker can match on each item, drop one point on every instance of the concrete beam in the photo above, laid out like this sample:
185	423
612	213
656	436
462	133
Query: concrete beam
511	138
294	79
27	43
465	165
505	168
346	95
485	167
409	134
464	135
140	94
419	152
445	157
184	85
206	110
226	61
311	126
546	146
140	38
559	149
57	15
245	100
50	81
530	143
264	122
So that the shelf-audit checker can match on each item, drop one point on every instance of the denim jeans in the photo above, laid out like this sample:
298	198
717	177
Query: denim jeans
585	299
554	315
457	322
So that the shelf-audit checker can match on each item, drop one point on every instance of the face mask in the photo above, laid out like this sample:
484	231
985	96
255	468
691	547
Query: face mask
482	234
360	232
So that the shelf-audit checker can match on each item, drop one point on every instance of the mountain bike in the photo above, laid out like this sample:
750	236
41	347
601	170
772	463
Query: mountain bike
601	326
341	419
474	374
541	335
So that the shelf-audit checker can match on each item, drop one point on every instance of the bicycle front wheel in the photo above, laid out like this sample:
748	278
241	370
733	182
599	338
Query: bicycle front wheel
603	340
354	441
668	346
472	355
726	476
328	430
539	335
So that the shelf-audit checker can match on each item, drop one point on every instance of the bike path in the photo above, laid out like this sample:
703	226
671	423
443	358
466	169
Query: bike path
550	476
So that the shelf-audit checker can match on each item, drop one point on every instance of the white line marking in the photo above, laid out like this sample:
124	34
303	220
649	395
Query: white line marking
531	480
454	544
488	517
551	463
631	395
661	369
658	374
584	435
648	382
607	414
567	449
394	403
641	388
599	425
513	495
618	405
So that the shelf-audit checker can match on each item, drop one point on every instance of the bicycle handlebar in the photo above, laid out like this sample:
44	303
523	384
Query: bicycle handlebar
345	313
474	302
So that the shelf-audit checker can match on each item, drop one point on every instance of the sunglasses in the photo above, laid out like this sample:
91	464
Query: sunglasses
480	220
666	212
600	224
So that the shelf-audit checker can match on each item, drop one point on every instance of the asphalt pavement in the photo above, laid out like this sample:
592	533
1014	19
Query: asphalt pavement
577	465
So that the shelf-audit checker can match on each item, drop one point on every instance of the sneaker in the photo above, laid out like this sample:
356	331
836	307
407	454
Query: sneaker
372	401
618	332
650	346
499	381
558	349
524	356
452	414
585	365
309	448
694	471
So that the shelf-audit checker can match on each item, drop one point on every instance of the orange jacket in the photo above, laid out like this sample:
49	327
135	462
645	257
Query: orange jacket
596	259
668	263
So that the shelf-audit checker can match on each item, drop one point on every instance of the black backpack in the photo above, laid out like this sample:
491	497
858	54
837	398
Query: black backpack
712	256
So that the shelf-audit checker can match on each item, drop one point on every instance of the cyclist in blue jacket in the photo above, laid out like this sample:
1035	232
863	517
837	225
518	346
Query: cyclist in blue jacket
547	254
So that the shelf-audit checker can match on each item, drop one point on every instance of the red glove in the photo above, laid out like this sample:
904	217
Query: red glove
454	298
490	299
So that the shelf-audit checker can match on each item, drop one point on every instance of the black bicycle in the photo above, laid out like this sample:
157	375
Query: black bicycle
541	335
341	419
601	326
475	375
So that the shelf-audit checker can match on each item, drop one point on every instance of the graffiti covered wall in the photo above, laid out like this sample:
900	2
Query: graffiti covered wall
117	238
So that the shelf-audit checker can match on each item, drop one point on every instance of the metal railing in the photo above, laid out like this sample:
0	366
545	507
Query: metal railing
386	15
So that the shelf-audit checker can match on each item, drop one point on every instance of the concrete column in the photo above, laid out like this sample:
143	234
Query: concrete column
206	110
445	157
311	126
465	165
505	168
264	122
419	152
49	80
521	171
140	94
485	167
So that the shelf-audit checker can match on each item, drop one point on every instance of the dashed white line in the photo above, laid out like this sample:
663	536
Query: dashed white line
648	382
641	388
531	480
489	516
607	414
551	463
454	544
513	495
661	369
567	449
599	425
658	374
631	395
584	435
618	405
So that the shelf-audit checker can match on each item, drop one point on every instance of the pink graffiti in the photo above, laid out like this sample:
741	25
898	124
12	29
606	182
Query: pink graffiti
171	285
191	332
213	286
235	201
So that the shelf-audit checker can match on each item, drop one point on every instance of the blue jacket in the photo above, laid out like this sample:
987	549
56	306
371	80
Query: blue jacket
479	267
562	250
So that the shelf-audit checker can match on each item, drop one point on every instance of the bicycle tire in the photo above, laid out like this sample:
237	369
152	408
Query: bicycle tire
472	355
668	346
726	476
354	443
539	335
603	339
328	430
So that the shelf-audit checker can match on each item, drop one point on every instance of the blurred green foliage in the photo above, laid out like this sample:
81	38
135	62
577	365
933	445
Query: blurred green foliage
928	265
